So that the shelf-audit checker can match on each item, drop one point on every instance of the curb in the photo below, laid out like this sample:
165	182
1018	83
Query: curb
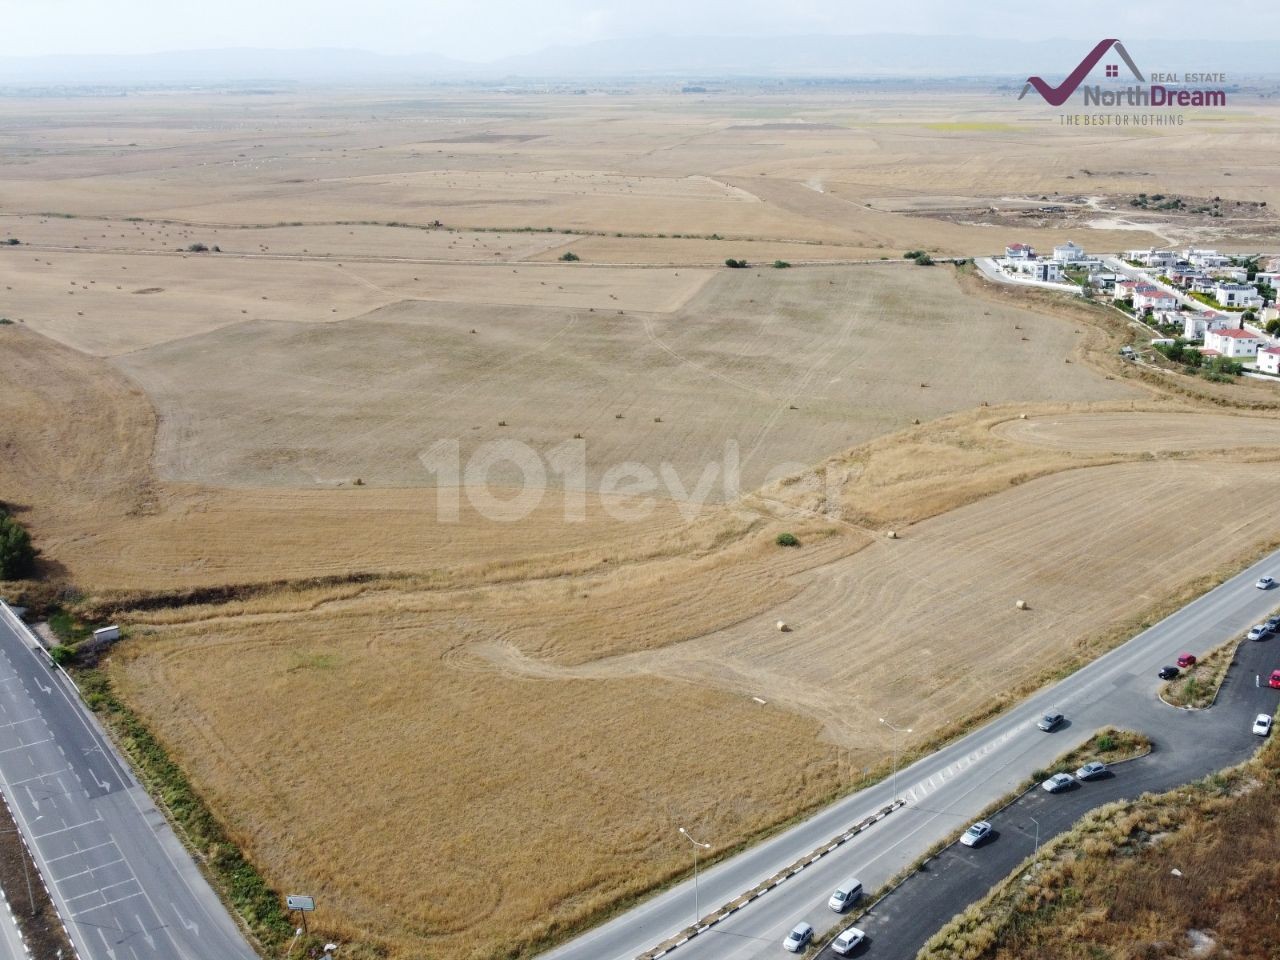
733	906
26	951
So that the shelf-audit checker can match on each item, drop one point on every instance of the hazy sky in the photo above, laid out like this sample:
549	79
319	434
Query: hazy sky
488	29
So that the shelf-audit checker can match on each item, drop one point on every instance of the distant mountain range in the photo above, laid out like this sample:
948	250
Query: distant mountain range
879	55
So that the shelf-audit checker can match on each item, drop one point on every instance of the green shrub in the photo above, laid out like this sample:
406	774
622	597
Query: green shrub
1105	742
780	264
569	256
736	264
62	655
17	555
787	540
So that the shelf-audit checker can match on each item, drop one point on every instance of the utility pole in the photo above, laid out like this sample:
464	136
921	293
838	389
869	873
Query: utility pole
697	914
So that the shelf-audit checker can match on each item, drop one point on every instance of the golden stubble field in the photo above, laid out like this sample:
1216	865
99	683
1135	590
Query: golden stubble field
507	710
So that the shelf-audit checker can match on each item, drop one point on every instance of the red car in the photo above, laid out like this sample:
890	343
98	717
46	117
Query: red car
1275	679
1187	660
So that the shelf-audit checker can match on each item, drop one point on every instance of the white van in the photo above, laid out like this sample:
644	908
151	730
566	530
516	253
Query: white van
847	893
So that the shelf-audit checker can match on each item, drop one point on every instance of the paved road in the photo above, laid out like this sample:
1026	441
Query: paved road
12	946
121	881
1187	746
943	790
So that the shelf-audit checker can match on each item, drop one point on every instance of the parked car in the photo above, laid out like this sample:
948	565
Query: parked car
1275	680
1265	583
848	941
798	938
1257	632
976	834
1058	782
845	894
1168	673
1262	725
1050	721
1092	770
1272	624
1186	660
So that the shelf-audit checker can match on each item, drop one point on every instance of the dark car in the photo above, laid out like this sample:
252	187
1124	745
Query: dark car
1168	673
1050	721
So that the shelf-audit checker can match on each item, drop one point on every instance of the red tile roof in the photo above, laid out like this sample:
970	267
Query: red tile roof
1235	334
1275	350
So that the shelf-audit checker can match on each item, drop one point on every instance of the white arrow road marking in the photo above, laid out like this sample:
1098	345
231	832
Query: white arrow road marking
151	941
189	924
43	687
106	944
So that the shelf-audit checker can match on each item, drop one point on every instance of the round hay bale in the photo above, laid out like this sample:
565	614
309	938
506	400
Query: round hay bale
1022	605
782	627
893	534
1022	416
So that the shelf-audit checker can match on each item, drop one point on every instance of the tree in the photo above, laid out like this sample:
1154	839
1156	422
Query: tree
1273	326
17	555
569	256
736	264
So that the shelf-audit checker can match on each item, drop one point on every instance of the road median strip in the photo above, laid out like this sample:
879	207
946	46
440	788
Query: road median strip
733	906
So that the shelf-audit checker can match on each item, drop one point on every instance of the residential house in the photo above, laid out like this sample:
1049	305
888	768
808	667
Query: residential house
1233	343
1269	279
1047	270
1152	257
1123	290
1019	251
1205	258
1184	276
1230	274
1269	360
1069	253
1196	323
1237	295
1149	296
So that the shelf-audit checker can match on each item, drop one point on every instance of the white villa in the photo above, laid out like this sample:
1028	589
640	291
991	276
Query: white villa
1237	295
1146	295
1205	258
1232	343
1069	252
1020	251
1196	324
1152	257
1269	360
1047	270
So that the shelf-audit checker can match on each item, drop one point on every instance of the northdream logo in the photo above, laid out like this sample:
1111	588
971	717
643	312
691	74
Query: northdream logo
1141	94
1057	96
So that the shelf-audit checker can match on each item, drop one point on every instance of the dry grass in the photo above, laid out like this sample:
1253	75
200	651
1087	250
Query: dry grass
497	734
1197	687
1108	889
458	812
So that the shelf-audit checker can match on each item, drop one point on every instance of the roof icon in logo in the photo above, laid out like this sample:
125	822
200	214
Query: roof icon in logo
1057	96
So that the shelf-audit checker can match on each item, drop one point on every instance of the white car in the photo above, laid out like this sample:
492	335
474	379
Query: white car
1265	583
1257	632
1262	725
798	938
1058	782
976	834
848	941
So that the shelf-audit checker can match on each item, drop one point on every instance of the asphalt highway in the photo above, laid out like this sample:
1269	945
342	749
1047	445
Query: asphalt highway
950	787
120	879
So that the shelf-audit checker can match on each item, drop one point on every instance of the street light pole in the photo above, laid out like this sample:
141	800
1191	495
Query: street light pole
895	753
1037	823
697	914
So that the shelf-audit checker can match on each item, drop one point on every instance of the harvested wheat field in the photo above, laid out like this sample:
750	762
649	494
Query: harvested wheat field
356	662
769	370
1142	432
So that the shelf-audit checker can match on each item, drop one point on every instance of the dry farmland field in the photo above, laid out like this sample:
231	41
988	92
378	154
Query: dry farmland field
231	451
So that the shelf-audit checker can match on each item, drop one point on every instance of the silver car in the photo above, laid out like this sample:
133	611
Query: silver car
1262	725
1257	632
976	834
798	938
1058	782
1091	771
1050	721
